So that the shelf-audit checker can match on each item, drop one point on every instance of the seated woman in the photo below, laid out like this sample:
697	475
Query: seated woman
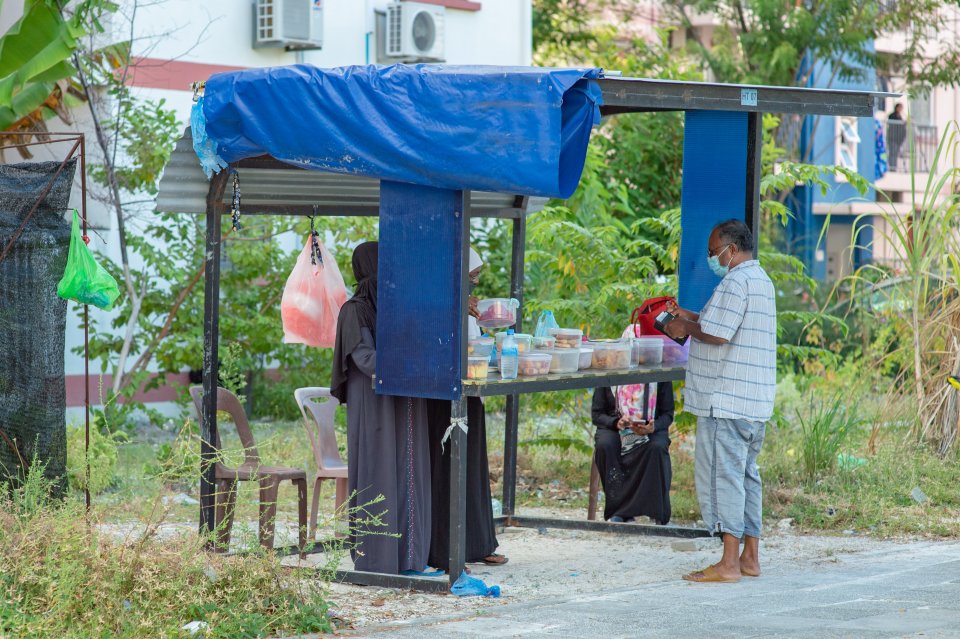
633	451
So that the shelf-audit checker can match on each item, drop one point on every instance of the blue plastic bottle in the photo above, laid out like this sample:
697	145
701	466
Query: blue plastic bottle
509	357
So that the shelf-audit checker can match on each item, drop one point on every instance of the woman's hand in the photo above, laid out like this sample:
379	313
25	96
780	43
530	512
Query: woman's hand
472	306
623	423
642	428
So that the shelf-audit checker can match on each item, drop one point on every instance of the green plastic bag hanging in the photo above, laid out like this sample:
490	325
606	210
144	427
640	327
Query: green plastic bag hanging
84	280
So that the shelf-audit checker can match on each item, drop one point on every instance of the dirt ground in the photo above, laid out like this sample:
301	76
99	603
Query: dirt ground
552	563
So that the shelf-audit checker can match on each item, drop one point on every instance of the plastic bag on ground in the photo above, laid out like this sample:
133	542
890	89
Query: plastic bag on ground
84	279
311	300
467	586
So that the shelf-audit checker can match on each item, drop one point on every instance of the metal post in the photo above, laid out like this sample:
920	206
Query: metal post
458	491
754	152
86	333
511	426
211	364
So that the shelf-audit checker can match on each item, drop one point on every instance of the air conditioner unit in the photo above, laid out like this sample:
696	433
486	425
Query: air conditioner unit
292	24
415	32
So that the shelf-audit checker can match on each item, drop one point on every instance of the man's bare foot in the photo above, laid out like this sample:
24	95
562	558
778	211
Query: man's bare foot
749	567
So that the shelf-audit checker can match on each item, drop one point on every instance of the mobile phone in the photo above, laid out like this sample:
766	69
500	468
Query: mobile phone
661	322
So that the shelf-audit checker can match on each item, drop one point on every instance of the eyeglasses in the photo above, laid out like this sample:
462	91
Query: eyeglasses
717	251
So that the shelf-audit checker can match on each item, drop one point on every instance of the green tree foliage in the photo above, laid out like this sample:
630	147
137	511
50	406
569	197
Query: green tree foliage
769	42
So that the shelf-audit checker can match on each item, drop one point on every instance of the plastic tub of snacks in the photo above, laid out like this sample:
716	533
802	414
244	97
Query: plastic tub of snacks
477	366
534	364
497	312
565	360
674	353
586	357
480	346
544	343
610	354
567	337
647	351
524	342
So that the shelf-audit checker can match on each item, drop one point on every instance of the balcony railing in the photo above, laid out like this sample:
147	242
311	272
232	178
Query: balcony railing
898	146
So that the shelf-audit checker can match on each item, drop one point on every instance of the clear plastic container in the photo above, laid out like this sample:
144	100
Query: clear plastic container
565	360
509	357
646	351
586	357
544	343
567	337
524	341
497	312
480	346
610	354
674	353
477	366
533	364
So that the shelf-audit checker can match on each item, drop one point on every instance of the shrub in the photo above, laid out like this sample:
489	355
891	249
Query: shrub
824	431
102	456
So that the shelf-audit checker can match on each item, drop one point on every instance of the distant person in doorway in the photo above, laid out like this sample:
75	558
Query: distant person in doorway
388	451
633	456
730	386
896	135
481	535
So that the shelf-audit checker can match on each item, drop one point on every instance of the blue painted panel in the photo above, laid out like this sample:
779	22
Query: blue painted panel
419	323
714	190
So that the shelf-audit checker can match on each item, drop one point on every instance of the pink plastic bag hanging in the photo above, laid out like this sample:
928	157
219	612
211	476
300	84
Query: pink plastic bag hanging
312	298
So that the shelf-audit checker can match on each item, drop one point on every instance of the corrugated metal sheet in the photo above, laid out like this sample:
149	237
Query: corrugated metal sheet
183	188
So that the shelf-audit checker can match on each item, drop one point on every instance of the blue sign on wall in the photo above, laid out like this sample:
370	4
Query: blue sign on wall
419	320
714	190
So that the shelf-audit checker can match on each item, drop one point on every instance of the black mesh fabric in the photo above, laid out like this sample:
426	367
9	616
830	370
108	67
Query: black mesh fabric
33	319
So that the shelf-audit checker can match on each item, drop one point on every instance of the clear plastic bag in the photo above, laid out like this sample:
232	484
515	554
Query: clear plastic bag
545	323
312	298
84	279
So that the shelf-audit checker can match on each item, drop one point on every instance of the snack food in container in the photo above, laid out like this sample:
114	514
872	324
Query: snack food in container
674	353
586	357
497	312
647	351
535	363
480	346
477	367
567	337
610	354
524	342
544	343
565	360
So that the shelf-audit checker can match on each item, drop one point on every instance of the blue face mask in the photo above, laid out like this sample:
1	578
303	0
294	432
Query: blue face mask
713	261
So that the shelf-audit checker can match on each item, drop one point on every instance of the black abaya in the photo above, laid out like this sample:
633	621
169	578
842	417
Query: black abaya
638	483
481	536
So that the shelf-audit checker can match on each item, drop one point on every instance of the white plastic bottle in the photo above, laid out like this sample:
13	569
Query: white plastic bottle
509	357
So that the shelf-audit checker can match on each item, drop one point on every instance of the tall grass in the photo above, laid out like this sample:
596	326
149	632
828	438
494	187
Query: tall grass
824	431
63	577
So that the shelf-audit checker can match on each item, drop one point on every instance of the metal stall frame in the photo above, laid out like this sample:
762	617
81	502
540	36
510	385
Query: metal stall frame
346	198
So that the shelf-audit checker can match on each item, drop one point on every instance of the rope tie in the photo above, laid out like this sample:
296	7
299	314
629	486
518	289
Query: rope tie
456	422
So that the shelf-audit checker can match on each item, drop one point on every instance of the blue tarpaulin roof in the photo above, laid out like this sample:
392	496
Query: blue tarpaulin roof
517	130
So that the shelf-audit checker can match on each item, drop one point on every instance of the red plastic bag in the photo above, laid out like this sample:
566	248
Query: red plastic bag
643	316
312	298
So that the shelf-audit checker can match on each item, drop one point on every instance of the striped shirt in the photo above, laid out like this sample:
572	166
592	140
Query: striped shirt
736	380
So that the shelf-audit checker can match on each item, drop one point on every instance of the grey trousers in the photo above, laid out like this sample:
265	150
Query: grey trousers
727	478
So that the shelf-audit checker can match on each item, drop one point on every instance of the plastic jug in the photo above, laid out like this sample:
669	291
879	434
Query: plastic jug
509	357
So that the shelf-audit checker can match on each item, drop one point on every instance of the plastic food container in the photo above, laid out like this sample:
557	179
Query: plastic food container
524	342
674	353
567	337
565	360
477	366
544	343
497	312
646	351
480	346
534	364
611	354
586	357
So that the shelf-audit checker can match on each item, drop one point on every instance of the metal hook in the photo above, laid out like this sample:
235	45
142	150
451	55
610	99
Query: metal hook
314	242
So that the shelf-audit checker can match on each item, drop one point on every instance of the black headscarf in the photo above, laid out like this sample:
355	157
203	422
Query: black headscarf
359	312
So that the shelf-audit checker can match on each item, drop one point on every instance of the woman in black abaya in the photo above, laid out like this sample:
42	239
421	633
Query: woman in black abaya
635	472
387	448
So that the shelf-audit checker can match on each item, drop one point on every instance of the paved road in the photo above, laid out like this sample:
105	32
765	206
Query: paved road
911	590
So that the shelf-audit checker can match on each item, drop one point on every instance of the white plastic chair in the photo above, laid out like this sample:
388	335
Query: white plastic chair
318	408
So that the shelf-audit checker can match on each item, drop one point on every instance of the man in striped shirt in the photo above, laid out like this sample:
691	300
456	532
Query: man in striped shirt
730	387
